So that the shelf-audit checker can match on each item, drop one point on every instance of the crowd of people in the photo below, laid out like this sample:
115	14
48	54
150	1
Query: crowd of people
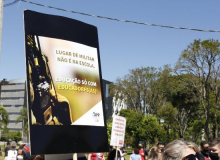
176	150
12	152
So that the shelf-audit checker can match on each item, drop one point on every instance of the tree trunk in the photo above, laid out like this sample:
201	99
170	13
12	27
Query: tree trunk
207	126
181	133
168	133
216	122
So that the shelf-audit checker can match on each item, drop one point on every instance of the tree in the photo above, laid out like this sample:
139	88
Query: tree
4	134
169	114
24	118
183	106
133	120
215	95
4	118
15	135
201	59
142	128
195	130
109	129
151	130
138	89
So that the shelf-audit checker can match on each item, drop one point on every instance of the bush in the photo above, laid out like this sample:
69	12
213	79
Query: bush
15	136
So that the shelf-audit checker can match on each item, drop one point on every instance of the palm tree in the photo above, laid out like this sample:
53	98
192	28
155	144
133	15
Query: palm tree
4	118
24	118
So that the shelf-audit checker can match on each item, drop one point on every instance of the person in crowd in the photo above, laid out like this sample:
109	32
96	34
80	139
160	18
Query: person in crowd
39	157
0	151
81	156
135	155
12	152
7	148
110	148
96	156
146	152
20	155
21	146
154	153
160	147
122	153
205	150
181	150
112	155
214	147
141	151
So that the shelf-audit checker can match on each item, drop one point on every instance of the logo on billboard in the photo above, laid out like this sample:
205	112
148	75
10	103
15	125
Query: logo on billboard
96	116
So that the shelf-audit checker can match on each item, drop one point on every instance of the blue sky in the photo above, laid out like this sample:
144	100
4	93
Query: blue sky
123	46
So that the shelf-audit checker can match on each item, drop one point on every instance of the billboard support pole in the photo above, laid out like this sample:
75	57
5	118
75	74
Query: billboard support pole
116	155
74	156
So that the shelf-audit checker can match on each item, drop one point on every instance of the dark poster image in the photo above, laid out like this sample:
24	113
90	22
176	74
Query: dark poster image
66	113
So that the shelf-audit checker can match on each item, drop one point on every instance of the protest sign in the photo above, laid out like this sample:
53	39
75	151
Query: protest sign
118	131
65	98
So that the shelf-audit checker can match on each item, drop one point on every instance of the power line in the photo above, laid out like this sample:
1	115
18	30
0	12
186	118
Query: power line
115	19
12	3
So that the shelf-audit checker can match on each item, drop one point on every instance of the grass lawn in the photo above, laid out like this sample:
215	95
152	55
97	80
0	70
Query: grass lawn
3	153
127	157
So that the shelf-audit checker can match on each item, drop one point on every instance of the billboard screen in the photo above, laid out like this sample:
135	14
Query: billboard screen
65	98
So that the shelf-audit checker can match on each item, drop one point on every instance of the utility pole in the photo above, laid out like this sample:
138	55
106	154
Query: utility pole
1	21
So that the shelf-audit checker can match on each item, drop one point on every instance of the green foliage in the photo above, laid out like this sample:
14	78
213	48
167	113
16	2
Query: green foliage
109	129
15	136
4	118
195	130
150	130
168	113
133	120
4	134
138	89
201	60
182	105
24	118
142	128
187	97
